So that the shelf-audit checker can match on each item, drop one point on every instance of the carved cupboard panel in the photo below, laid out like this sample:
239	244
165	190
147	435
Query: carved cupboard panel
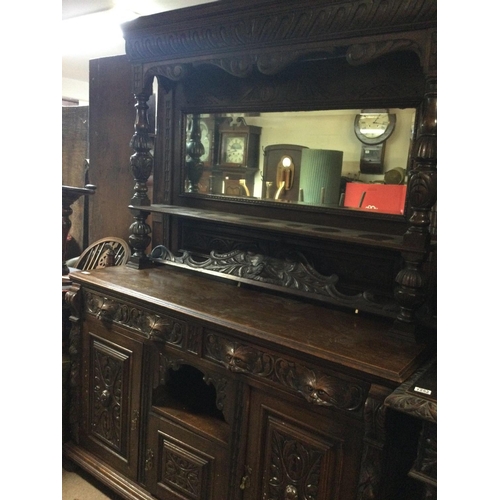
296	453
111	385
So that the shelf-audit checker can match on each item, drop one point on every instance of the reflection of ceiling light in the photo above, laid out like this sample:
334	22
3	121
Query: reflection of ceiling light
96	32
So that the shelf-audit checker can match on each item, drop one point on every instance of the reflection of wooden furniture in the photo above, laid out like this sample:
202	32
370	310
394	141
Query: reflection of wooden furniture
69	195
105	252
417	397
186	387
272	157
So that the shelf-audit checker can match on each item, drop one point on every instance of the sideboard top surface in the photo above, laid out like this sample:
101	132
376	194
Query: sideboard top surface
353	341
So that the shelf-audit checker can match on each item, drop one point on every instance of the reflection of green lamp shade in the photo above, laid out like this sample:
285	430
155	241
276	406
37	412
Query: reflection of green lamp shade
320	173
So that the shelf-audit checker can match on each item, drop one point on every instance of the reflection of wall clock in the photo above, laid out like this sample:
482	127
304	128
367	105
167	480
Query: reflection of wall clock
373	127
239	144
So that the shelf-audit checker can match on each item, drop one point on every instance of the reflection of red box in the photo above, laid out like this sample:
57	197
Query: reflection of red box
386	198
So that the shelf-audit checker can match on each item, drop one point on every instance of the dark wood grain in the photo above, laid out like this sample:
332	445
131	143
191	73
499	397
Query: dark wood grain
359	342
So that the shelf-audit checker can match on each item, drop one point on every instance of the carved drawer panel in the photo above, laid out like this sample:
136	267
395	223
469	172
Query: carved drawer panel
315	386
153	326
111	396
183	465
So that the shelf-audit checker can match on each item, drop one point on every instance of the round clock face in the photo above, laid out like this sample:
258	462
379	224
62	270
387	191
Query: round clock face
373	125
235	149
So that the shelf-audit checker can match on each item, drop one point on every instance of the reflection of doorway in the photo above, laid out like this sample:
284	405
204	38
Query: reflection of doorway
75	152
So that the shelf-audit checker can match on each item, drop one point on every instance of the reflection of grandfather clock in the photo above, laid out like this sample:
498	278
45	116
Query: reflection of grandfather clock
373	127
239	144
239	150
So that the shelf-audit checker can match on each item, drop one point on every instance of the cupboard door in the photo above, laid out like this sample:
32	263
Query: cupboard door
182	465
297	453
111	396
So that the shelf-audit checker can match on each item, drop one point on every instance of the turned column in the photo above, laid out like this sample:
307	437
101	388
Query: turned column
142	165
422	195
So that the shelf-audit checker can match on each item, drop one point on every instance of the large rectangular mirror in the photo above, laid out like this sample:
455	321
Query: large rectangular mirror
354	158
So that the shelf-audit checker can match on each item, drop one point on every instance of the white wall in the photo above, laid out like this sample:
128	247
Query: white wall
76	89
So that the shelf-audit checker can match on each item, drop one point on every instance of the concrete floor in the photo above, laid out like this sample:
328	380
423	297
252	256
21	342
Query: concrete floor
78	485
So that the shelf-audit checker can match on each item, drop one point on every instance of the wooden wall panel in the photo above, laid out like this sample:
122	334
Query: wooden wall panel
111	126
75	126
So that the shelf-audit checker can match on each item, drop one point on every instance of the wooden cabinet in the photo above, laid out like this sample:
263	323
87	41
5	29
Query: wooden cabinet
251	356
181	398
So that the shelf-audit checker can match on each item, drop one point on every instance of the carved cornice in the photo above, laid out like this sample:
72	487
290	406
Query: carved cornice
316	387
294	275
152	326
219	30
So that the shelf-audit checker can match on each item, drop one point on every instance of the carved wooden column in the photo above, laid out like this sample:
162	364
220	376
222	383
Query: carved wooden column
422	189
142	165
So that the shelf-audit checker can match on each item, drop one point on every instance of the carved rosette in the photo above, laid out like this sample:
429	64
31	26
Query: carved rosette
316	387
153	326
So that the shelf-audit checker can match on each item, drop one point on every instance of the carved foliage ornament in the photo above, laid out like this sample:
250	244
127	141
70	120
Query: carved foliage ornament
294	274
317	388
152	326
295	469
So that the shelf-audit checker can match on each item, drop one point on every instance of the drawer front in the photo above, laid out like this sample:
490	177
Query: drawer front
111	396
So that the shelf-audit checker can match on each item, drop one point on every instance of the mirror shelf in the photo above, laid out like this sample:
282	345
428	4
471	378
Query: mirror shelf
364	238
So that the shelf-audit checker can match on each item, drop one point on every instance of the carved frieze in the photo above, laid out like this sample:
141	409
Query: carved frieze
162	328
275	28
316	387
